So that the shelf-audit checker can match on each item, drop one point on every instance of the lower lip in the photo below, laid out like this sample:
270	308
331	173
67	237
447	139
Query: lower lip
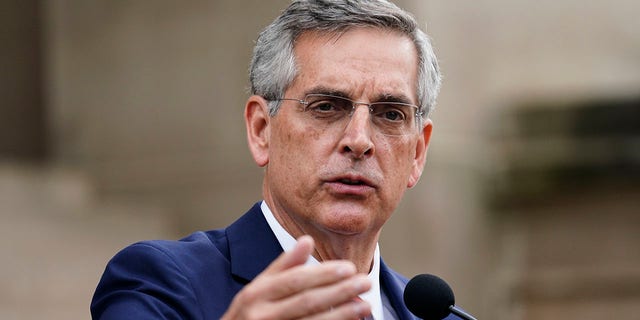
349	189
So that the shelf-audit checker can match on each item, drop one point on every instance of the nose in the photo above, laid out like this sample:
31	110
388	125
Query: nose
356	140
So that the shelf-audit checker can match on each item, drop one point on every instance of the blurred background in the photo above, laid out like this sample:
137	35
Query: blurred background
122	121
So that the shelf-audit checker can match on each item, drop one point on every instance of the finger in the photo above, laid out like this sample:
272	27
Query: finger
351	310
302	278
320	299
297	256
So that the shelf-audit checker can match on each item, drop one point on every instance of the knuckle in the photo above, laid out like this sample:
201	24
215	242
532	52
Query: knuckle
248	295
294	282
256	314
309	303
260	312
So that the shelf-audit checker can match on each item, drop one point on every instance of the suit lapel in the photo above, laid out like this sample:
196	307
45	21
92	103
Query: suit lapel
252	244
393	285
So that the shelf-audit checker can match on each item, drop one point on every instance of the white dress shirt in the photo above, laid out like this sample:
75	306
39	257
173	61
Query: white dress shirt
373	296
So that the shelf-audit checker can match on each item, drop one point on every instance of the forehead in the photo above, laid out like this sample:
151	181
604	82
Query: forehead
361	62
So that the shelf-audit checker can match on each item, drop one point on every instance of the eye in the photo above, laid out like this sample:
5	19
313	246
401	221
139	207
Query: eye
390	112
327	107
323	106
393	115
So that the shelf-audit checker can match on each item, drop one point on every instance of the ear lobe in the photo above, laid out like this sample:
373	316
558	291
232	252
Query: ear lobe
256	118
422	145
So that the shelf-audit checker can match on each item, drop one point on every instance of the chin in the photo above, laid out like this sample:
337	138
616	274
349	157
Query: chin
346	230
348	221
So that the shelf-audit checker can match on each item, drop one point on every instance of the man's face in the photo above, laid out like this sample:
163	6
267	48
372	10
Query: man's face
346	180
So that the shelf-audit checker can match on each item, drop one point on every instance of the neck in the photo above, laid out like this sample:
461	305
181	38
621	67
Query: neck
358	248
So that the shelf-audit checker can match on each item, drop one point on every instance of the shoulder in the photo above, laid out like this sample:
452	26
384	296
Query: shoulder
162	276
193	247
197	249
192	258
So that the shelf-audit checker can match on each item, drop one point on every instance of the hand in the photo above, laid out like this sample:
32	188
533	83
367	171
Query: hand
288	289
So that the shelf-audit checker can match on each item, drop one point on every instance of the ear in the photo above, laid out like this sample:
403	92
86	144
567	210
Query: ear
422	145
256	118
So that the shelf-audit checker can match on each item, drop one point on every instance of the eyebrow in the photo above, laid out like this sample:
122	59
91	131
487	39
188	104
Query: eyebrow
383	97
386	97
328	91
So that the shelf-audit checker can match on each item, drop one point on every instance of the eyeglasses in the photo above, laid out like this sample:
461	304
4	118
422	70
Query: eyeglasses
388	118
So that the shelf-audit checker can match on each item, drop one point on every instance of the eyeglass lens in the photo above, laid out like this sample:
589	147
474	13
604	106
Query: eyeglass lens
389	118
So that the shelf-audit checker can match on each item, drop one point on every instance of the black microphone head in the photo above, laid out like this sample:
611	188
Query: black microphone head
428	297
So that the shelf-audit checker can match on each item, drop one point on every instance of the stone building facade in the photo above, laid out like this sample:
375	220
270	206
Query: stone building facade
122	121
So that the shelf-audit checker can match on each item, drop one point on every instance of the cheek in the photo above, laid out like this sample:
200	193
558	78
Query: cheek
400	153
299	149
399	165
313	133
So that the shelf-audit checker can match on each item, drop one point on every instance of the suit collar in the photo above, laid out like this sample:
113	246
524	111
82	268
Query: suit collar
393	285
252	244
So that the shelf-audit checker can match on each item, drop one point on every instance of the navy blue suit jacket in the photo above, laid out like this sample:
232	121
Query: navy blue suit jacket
198	276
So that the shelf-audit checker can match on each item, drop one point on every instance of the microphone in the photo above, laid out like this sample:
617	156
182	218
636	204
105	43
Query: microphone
430	298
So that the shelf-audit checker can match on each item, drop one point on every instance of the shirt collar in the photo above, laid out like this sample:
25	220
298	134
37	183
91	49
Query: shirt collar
287	242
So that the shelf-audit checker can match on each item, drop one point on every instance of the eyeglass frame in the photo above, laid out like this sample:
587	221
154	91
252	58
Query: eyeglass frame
417	114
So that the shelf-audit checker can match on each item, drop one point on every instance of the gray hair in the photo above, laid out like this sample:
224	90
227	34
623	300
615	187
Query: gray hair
273	67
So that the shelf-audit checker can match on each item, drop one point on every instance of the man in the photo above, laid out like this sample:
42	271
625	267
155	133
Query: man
339	119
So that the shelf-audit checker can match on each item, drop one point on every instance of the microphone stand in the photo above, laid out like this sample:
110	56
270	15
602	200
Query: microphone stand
460	313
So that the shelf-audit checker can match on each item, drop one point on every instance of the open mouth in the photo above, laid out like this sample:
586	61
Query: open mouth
352	182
